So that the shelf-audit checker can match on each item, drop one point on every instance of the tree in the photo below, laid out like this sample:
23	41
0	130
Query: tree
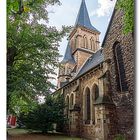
44	115
128	7
32	51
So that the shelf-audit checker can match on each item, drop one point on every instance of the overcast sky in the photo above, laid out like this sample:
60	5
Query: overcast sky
99	11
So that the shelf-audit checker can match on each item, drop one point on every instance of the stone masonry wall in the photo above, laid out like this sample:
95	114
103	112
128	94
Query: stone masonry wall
124	101
88	80
82	57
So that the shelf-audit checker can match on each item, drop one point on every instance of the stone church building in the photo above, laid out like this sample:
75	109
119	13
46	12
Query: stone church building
98	81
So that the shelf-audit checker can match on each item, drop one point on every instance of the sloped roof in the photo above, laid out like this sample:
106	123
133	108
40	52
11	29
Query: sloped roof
68	57
92	62
83	18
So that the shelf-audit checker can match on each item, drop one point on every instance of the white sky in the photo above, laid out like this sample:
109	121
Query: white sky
100	12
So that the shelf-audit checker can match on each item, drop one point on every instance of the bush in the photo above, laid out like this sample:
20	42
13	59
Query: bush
45	115
119	137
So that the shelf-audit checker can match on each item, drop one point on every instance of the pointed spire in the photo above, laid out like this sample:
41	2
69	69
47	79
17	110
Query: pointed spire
68	57
83	17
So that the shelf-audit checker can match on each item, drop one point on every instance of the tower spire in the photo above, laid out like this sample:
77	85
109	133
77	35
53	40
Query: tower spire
83	17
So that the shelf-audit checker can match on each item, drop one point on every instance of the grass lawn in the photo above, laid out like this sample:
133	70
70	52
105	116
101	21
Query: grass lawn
22	134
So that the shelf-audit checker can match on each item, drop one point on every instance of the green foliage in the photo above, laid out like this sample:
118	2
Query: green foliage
27	7
32	52
44	115
128	8
20	105
119	137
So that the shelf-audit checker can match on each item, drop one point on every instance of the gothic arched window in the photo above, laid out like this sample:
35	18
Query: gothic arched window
71	100
95	95
67	106
92	43
85	42
96	89
87	107
76	42
120	70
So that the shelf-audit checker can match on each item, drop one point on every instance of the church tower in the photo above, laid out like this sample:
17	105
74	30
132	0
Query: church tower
83	42
84	38
67	67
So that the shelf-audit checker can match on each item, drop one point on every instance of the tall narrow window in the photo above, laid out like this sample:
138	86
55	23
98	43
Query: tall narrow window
67	106
92	44
96	92
76	43
71	100
95	95
85	42
120	70
87	107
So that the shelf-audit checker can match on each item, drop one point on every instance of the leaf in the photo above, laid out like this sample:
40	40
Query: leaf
26	9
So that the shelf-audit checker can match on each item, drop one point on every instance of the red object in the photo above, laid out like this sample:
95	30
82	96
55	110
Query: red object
13	121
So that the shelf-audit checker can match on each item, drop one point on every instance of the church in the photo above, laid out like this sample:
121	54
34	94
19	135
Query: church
97	82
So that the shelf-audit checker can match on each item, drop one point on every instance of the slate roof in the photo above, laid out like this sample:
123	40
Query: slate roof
83	18
92	62
68	57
